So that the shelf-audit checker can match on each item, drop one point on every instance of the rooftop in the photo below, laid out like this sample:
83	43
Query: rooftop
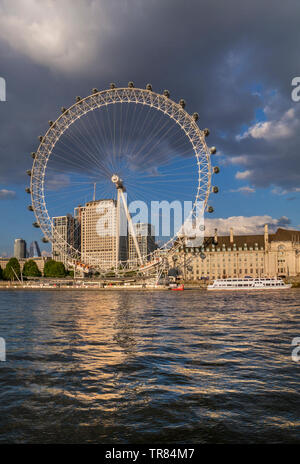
258	240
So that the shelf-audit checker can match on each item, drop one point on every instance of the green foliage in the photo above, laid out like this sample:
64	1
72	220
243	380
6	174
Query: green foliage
12	269
54	269
1	273
30	269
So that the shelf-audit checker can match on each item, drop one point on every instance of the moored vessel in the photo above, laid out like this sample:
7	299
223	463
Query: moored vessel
179	288
271	283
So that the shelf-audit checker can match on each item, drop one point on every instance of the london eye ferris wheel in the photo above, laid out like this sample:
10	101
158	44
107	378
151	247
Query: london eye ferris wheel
126	145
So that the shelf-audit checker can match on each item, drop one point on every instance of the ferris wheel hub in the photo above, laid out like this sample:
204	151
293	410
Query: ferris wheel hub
117	181
115	178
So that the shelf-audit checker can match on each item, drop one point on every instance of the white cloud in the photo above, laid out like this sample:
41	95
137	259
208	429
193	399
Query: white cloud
242	159
281	191
57	182
62	34
246	190
243	225
7	194
243	174
282	128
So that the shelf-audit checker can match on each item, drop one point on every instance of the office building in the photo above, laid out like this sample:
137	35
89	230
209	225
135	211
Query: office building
34	250
146	241
99	224
66	230
20	248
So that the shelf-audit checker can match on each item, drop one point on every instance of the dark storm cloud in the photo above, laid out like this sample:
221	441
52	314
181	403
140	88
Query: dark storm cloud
214	54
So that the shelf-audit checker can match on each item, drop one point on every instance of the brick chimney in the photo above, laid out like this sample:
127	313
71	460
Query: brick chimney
231	235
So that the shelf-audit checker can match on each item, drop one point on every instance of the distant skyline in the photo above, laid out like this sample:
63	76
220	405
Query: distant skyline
234	68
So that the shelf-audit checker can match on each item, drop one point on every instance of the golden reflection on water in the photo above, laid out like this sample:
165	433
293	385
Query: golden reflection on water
118	359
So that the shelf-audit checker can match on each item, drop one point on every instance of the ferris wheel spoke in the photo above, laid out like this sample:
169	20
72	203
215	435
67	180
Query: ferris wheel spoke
123	126
147	155
91	153
132	134
75	198
86	158
76	162
156	128
94	129
100	130
161	135
135	115
57	171
142	128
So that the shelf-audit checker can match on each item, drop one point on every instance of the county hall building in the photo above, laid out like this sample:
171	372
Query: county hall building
266	255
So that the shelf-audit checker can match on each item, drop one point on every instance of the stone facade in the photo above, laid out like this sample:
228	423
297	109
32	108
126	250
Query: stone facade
267	255
39	261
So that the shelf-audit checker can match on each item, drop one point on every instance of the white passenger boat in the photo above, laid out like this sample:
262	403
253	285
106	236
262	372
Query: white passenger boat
249	284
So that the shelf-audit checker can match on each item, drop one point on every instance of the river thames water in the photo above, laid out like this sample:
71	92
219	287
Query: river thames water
149	367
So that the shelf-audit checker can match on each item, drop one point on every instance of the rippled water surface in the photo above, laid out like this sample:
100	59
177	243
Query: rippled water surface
149	367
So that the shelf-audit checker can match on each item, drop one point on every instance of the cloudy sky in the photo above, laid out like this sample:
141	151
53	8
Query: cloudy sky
233	62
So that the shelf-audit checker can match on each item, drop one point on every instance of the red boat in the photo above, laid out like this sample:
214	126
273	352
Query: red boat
180	288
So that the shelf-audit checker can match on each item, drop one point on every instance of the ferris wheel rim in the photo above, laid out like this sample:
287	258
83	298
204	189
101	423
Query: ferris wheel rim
98	100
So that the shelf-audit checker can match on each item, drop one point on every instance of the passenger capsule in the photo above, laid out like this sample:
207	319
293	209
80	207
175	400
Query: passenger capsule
27	190
41	138
216	170
30	208
112	85
28	172
45	240
149	87
63	109
50	123
195	116
36	225
213	150
94	90
210	209
182	103
206	132
33	154
215	189
78	99
167	93
130	85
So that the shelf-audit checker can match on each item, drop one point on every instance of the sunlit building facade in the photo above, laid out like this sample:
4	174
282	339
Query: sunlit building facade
266	255
98	220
